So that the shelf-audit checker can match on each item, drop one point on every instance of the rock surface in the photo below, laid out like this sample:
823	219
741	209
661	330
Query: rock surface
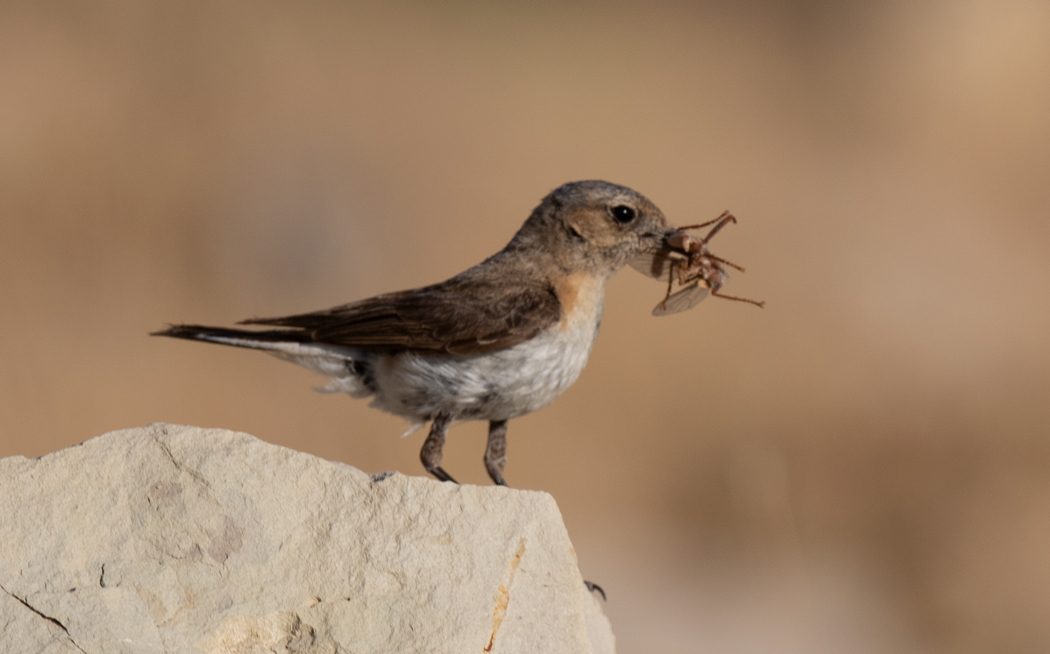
180	539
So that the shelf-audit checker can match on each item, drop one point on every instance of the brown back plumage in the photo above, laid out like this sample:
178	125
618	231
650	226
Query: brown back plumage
468	314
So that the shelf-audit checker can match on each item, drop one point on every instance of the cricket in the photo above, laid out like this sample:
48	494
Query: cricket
698	272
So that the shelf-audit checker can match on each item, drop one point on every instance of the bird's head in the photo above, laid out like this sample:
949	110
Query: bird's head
594	226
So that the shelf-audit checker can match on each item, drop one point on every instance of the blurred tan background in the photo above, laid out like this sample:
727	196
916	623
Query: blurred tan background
863	466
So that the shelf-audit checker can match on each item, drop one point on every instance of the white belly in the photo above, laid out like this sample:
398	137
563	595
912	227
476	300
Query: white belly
495	386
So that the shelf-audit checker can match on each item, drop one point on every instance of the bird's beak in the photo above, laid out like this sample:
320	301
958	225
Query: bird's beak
666	243
656	259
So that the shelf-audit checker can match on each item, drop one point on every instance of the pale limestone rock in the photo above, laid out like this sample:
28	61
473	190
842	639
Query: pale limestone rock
180	539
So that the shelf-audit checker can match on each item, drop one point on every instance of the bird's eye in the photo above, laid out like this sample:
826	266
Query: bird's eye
623	214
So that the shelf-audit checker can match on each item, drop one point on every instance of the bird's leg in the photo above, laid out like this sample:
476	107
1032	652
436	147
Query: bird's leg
430	455
496	451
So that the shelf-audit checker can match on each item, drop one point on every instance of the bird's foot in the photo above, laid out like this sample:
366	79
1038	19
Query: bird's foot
441	475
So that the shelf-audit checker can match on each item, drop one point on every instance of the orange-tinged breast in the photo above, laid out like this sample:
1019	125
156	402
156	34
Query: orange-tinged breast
581	296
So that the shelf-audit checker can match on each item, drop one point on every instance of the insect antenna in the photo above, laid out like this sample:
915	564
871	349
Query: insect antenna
710	222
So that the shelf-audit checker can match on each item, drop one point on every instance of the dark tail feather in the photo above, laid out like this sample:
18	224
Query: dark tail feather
263	340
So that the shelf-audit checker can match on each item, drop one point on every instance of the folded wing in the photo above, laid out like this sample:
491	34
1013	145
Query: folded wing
459	316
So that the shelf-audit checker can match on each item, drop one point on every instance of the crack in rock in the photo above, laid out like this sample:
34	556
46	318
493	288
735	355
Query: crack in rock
53	621
196	475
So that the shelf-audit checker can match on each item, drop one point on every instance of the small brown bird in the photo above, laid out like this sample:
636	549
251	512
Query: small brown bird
495	342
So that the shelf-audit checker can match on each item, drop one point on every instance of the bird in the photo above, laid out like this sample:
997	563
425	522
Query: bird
495	342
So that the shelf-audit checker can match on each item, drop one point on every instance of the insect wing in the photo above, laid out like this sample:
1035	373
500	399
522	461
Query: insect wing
681	300
655	264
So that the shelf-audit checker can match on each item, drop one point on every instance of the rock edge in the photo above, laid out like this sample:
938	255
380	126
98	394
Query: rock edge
180	539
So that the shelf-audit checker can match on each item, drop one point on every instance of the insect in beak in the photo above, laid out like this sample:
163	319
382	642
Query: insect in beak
685	258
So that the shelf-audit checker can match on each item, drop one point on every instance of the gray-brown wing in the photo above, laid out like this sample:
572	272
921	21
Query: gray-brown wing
682	299
656	264
460	316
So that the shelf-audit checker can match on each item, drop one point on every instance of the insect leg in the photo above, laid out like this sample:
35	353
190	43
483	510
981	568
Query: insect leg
670	283
739	299
723	220
721	260
591	587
